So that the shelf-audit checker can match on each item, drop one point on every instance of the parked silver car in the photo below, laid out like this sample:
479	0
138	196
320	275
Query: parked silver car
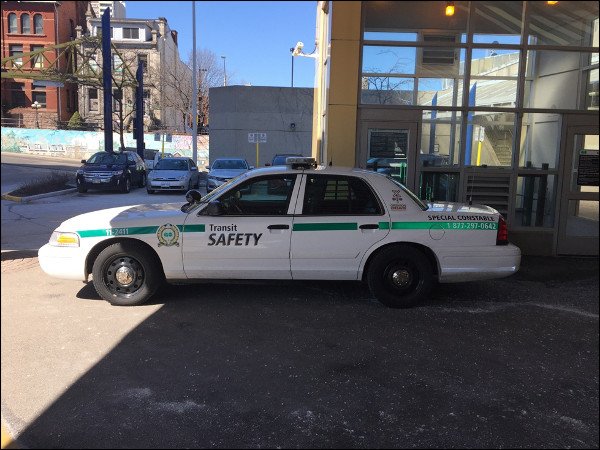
223	170
173	174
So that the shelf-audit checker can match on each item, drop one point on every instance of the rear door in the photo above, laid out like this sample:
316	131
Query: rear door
337	220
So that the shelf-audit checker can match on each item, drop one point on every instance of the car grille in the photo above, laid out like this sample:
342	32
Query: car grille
94	176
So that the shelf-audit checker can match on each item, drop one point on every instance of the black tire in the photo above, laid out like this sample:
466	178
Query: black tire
142	180
149	191
126	186
81	187
400	276
126	275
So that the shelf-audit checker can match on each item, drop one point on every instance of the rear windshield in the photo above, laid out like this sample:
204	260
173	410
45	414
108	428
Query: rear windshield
229	164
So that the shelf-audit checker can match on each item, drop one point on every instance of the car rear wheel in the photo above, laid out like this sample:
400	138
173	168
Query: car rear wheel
126	186
142	180
400	276
126	275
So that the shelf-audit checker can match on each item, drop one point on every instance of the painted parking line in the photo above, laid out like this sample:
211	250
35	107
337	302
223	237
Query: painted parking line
7	439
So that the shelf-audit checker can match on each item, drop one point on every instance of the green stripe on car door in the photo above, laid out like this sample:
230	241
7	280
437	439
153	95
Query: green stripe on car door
342	226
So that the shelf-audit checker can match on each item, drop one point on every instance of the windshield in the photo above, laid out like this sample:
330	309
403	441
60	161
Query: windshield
171	164
107	158
416	199
230	164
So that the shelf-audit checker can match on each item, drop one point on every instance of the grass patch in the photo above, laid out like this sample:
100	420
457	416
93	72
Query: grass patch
56	181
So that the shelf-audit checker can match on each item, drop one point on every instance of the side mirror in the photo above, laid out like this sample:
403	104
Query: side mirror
207	167
214	208
195	168
83	161
193	196
251	167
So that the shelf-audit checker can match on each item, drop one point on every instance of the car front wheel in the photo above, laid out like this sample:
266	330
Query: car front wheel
400	276
126	275
81	187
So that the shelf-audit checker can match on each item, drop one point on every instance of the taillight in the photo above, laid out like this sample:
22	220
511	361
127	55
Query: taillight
502	235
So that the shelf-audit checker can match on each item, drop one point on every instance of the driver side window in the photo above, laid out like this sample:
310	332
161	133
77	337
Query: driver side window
265	196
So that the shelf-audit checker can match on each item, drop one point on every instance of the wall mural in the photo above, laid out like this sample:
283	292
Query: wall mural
81	144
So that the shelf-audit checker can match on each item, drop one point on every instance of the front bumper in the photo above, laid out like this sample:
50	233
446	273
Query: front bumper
67	263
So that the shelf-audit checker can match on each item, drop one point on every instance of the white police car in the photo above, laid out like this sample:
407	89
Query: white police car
297	221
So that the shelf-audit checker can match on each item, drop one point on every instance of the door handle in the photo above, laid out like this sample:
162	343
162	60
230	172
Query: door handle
369	226
278	227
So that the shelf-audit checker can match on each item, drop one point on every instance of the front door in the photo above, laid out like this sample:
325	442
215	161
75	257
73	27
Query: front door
248	237
578	215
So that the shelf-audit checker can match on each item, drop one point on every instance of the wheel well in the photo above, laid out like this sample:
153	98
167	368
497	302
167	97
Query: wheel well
424	249
95	251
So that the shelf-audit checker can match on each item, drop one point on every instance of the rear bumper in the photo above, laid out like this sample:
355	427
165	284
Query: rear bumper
479	263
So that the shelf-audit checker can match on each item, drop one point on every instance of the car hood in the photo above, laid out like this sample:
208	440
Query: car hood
226	173
154	215
168	173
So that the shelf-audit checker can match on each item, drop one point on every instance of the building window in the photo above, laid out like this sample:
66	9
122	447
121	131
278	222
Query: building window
38	94
25	24
18	95
38	60
38	23
146	102
91	61
117	63
131	33
143	59
15	50
93	99
12	23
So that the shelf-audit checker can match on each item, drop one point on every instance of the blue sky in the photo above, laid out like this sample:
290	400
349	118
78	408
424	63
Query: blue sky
255	37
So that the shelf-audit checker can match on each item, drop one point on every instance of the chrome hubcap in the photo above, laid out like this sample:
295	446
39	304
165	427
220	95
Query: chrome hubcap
401	278
124	276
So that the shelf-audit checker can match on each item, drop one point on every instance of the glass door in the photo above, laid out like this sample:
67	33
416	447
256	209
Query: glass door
390	148
578	216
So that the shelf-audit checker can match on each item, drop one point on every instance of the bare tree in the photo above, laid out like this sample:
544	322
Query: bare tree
210	74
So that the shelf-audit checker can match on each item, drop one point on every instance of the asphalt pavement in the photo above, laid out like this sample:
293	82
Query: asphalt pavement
509	363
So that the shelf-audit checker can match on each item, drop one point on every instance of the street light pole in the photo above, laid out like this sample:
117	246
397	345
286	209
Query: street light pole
224	72
292	51
35	105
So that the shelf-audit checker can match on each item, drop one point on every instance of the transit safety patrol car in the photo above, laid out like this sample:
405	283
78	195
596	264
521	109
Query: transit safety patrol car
300	221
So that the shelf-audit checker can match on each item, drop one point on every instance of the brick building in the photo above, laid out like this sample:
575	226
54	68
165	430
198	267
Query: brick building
29	26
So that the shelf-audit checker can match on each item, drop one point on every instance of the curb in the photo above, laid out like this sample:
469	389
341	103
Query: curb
12	198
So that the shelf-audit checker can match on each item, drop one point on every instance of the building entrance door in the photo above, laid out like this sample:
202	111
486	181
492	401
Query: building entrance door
390	147
578	213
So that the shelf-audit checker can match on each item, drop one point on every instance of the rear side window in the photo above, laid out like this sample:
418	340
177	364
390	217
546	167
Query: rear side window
327	195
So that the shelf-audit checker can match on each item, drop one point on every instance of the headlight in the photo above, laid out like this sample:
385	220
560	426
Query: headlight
117	172
64	239
79	171
183	177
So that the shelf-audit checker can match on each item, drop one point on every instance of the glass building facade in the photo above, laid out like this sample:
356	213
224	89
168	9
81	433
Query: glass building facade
475	106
